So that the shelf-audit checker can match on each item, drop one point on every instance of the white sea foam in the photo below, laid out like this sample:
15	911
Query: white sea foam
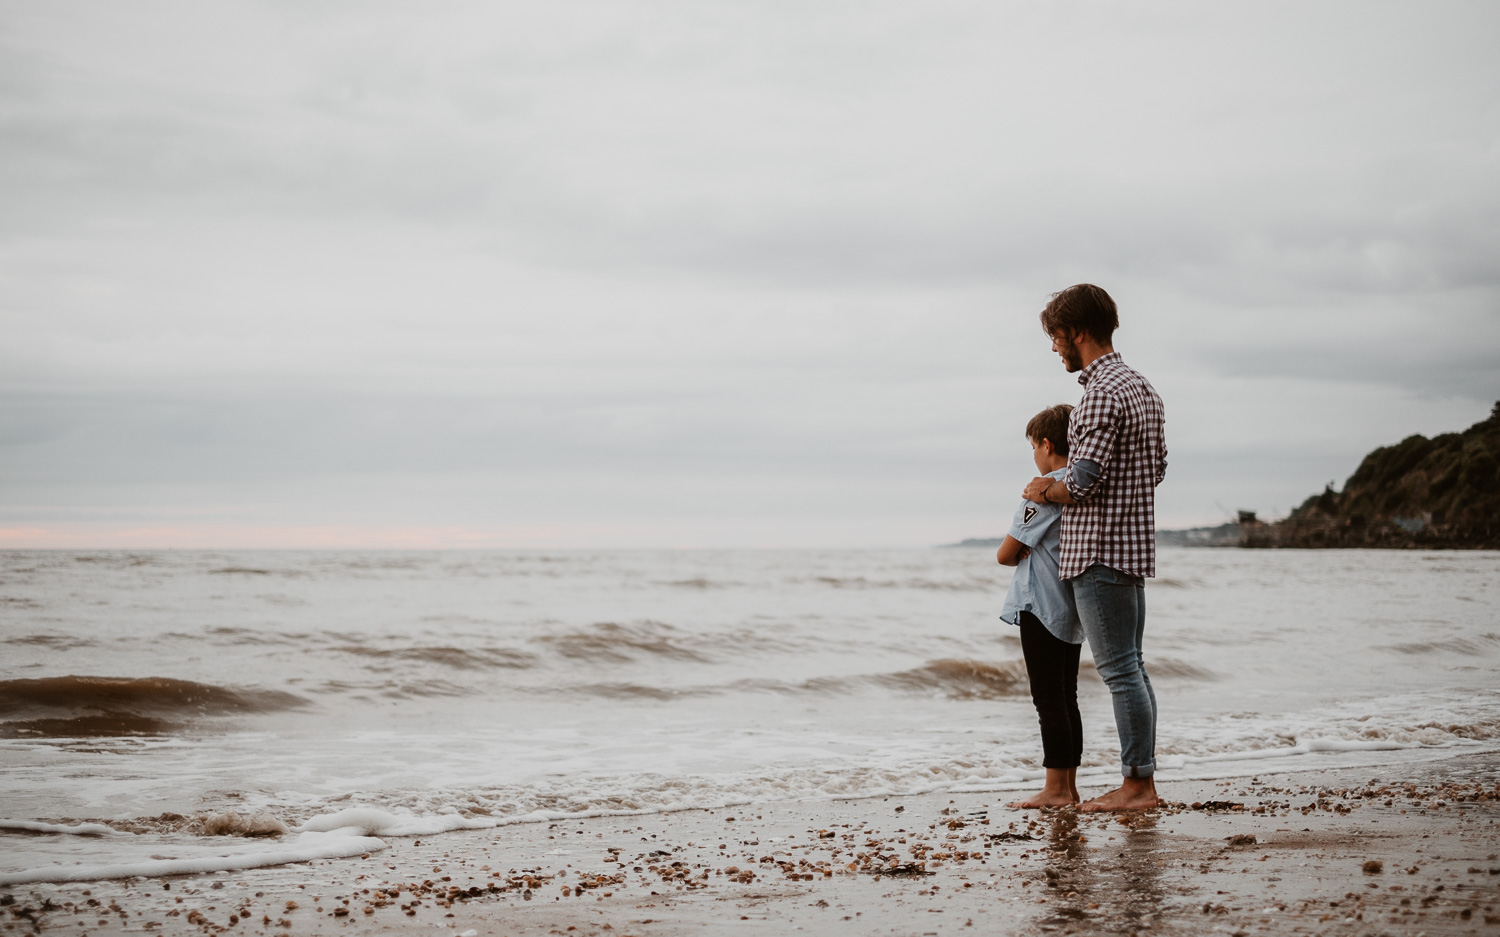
1307	747
304	848
76	829
371	821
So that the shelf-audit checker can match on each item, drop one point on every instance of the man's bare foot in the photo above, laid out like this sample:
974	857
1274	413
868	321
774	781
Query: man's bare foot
1133	794
1046	799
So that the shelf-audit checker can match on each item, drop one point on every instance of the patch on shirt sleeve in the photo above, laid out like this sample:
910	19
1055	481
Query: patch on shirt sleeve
1030	512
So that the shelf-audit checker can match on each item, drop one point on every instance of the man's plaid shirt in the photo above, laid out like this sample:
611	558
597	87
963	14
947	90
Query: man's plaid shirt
1117	424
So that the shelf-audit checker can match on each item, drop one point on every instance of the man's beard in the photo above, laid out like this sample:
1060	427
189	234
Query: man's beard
1072	358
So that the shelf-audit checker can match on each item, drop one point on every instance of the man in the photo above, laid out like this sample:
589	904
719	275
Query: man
1117	455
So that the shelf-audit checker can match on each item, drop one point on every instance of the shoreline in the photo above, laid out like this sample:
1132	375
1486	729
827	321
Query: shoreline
1294	851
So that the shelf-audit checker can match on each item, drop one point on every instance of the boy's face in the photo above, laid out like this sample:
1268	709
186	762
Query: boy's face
1041	454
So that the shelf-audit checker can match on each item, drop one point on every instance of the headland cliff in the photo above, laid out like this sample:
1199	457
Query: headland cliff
1436	493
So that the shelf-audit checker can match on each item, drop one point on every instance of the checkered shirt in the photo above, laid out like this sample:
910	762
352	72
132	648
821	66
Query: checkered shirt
1117	424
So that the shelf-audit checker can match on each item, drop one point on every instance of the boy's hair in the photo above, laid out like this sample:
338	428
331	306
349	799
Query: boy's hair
1085	308
1051	424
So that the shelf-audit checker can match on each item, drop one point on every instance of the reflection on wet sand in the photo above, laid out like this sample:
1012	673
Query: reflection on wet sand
1115	886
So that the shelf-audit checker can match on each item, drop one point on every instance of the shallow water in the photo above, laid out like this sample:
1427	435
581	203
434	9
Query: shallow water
175	694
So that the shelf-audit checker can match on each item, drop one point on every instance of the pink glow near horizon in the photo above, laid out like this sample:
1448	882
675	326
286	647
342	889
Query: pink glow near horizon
238	537
773	533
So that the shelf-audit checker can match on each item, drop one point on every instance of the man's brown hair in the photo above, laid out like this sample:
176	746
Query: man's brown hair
1084	308
1051	424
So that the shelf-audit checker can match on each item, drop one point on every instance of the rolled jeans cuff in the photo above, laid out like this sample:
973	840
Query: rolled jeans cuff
1137	771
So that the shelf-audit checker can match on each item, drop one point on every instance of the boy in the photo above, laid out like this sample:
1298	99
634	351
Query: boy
1042	605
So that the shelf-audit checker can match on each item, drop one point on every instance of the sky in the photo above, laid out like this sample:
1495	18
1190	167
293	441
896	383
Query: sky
648	273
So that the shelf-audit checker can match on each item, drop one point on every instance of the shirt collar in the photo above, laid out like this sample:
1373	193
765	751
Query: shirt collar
1087	374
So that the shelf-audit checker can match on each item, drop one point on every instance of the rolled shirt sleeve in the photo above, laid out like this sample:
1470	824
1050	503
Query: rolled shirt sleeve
1085	473
1093	429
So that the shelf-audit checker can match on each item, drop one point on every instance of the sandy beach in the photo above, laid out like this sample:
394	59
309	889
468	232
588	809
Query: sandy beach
1339	851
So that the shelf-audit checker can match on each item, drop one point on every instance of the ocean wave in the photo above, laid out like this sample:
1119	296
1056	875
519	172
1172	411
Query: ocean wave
233	823
458	658
87	707
1480	644
239	824
56	642
279	572
608	641
961	679
245	636
118	560
1435	733
933	585
980	680
637	691
951	678
1165	667
395	689
400	563
1463	730
155	693
228	634
1172	582
100	725
698	582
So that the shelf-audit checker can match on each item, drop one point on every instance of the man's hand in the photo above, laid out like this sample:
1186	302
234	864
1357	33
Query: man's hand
1036	490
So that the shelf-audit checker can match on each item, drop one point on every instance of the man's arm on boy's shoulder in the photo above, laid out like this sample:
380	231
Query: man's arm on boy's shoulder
1083	473
1044	490
1012	551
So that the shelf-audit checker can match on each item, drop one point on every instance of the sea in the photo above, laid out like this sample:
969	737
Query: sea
185	711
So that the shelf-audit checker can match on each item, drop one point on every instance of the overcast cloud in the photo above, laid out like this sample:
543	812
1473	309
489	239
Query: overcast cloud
665	273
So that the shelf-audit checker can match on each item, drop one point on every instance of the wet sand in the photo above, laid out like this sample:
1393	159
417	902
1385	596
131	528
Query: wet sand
1342	851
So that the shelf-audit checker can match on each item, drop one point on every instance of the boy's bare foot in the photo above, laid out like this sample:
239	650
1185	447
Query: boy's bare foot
1046	799
1059	790
1132	794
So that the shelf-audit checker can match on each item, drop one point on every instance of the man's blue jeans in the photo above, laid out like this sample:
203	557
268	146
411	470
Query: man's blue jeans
1112	607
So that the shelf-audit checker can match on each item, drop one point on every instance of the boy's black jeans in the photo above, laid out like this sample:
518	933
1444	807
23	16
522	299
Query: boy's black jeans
1052	668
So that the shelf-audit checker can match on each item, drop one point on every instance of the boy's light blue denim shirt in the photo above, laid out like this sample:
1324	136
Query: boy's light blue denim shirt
1035	587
